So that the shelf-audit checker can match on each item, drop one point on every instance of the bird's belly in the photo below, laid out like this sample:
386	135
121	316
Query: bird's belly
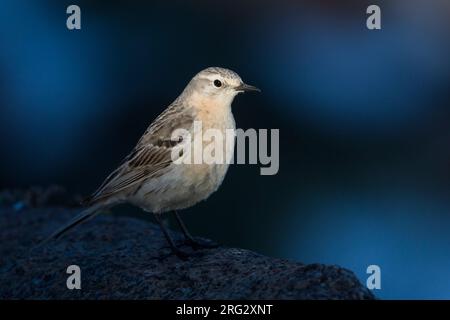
184	185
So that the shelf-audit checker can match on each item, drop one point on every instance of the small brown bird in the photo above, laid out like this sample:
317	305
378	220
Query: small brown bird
149	177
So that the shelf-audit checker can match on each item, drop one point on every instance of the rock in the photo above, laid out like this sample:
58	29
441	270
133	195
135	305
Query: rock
37	196
121	257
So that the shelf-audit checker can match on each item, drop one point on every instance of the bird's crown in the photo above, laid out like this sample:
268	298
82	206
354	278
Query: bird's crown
224	73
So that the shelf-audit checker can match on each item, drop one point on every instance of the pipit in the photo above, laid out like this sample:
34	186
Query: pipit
149	176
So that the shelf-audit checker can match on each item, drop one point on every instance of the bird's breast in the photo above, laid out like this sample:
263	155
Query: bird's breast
218	140
186	184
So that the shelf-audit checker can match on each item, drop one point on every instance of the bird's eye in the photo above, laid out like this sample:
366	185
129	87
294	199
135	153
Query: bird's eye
218	83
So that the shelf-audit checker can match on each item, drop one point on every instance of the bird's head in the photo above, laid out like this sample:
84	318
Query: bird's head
219	84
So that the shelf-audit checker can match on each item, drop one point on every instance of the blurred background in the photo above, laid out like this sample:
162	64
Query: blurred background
363	116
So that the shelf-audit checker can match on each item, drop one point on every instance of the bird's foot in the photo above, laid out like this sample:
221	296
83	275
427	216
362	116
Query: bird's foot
197	244
181	254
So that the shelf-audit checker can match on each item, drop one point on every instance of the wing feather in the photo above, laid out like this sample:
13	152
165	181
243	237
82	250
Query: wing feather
151	155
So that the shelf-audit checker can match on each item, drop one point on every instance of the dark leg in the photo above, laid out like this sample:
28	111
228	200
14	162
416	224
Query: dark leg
190	240
179	253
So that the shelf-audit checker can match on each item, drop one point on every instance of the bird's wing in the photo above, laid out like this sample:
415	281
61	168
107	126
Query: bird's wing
151	155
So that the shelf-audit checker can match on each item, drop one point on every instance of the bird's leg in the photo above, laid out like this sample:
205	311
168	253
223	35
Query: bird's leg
190	240
179	253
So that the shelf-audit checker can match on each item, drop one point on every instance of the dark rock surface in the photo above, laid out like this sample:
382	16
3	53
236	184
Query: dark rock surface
124	258
35	197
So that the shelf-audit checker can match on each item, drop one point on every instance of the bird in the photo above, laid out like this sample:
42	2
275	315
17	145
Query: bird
149	176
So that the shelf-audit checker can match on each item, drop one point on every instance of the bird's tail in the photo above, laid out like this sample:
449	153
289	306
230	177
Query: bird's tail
84	216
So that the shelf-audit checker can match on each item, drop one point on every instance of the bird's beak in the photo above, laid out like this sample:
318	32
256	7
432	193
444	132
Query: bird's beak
243	87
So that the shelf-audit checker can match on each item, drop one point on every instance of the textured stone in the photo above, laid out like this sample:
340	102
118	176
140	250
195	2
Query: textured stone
125	258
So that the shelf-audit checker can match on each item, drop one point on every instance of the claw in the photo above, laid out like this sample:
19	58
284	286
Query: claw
181	254
201	244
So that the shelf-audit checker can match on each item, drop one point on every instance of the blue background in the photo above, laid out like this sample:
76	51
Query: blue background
363	118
